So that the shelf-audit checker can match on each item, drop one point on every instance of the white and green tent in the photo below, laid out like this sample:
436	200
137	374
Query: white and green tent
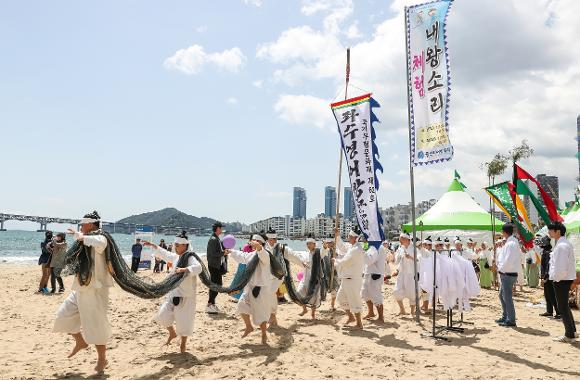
455	214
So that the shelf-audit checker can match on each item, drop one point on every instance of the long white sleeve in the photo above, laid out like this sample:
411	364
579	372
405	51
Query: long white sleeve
98	242
165	255
241	257
193	266
296	257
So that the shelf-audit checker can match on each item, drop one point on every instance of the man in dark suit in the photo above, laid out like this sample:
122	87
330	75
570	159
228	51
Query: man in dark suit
216	263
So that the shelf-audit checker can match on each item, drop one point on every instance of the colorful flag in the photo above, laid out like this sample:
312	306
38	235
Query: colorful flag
521	174
458	178
523	189
503	196
428	82
354	118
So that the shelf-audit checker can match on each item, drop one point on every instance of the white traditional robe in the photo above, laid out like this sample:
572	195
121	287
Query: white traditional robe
259	308
350	268
372	290
85	309
301	258
405	285
385	251
183	315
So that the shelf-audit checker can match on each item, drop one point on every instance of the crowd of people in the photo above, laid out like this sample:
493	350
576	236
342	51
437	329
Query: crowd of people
353	273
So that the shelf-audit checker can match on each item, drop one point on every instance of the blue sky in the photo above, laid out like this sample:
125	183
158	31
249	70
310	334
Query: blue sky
220	108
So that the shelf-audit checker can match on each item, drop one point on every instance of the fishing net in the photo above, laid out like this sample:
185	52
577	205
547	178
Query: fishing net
78	261
317	283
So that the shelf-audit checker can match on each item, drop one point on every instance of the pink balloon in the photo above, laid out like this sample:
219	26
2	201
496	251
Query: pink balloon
300	276
229	242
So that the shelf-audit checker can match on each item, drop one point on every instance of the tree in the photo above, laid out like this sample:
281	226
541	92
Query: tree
495	167
521	152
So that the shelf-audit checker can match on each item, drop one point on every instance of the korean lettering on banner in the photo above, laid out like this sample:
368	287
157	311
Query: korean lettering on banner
353	117
428	82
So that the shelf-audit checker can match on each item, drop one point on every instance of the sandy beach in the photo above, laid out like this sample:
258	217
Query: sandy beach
299	349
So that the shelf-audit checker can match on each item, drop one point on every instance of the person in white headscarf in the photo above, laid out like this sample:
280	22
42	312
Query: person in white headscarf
255	303
180	303
405	285
372	288
83	314
426	253
306	261
350	267
279	251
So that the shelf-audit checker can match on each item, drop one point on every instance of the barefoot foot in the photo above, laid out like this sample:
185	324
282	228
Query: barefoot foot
247	332
172	335
78	347
100	367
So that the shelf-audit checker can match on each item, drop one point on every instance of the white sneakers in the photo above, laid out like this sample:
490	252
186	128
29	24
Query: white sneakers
212	309
565	339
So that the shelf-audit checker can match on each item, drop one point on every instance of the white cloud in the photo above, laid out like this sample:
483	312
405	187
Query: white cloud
191	60
353	32
258	83
232	100
515	75
255	3
304	110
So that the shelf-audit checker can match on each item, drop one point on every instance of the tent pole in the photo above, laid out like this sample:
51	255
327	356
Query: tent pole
411	172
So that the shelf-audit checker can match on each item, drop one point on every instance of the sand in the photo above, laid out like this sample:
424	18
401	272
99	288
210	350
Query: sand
299	349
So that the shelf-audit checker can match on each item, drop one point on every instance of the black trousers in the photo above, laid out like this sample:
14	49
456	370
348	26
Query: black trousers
562	290
216	277
135	263
550	297
54	279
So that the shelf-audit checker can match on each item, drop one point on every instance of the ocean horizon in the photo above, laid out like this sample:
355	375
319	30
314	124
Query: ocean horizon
23	247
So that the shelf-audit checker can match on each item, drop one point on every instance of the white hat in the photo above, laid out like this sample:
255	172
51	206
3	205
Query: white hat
352	234
458	241
259	238
91	218
181	238
439	241
404	235
428	241
329	239
310	240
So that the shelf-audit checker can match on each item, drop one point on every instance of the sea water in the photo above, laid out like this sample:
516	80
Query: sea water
23	247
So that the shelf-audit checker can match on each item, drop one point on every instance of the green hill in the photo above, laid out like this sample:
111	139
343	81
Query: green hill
174	218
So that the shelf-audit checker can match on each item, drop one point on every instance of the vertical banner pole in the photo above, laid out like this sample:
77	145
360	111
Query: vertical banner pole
411	171
337	220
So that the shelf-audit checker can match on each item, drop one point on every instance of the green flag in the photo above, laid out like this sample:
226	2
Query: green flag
523	189
502	196
458	177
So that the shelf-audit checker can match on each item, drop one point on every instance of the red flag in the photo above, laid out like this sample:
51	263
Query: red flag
550	206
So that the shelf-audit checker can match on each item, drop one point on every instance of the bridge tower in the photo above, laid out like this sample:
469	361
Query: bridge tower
2	225
43	224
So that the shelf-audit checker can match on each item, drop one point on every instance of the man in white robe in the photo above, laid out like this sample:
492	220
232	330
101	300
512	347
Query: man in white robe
83	314
180	303
405	285
284	251
372	288
350	269
305	259
255	303
424	266
329	254
385	250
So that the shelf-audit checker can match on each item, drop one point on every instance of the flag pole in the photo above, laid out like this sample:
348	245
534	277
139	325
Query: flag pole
337	220
411	171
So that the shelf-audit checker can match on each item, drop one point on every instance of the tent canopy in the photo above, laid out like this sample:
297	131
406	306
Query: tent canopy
455	211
